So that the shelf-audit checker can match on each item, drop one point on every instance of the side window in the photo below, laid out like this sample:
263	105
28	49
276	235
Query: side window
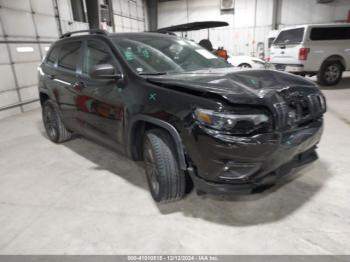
97	53
330	33
69	55
53	55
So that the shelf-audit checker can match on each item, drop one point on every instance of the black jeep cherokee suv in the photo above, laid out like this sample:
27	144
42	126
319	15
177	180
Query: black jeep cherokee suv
190	116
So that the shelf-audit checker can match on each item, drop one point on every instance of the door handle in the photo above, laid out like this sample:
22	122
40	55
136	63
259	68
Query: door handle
79	86
51	76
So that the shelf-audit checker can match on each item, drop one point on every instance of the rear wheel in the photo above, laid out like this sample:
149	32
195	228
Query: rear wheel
166	180
54	126
330	73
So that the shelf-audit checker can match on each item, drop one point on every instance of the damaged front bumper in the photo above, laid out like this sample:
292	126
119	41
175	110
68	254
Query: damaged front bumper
240	165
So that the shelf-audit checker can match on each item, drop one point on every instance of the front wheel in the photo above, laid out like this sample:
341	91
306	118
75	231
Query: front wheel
166	180
330	73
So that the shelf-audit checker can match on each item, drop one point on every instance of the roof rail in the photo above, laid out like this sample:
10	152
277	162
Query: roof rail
90	31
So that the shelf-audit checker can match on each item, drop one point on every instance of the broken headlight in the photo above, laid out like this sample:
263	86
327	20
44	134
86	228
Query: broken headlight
230	122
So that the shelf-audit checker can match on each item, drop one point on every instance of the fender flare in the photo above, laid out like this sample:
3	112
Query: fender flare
165	125
335	57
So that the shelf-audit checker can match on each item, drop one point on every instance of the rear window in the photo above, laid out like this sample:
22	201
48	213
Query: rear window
289	37
69	55
53	55
330	33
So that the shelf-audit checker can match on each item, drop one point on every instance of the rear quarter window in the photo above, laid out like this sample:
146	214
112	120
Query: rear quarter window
330	33
288	37
53	56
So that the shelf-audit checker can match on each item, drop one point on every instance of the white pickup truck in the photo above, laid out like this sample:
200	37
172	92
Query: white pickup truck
319	49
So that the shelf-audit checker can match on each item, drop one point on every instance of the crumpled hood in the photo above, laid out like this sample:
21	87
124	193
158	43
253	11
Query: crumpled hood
235	85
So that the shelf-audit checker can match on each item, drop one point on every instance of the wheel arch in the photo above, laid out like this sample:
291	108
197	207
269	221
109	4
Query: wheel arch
141	123
245	63
46	94
43	97
335	58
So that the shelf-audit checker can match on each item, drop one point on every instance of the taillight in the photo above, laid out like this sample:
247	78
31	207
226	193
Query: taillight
303	52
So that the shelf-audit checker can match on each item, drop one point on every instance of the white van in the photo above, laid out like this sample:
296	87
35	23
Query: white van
322	49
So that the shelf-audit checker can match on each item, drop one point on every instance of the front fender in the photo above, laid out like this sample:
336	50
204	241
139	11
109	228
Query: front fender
162	124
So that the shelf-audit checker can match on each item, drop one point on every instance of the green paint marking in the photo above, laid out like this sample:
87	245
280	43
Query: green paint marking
145	53
129	55
152	97
253	81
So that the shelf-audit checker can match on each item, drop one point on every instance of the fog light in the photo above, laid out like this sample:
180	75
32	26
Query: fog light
239	171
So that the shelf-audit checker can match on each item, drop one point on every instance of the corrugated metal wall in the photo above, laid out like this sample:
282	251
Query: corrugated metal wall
26	30
28	27
129	16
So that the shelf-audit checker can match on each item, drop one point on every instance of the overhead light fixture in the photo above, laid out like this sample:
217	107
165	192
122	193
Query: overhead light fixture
24	49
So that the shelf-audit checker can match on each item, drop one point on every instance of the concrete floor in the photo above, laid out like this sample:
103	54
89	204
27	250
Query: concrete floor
81	198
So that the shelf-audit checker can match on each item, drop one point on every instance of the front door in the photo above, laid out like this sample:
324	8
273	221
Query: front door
100	106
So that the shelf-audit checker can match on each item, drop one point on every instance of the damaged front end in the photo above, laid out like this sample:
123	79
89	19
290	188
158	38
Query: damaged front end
271	122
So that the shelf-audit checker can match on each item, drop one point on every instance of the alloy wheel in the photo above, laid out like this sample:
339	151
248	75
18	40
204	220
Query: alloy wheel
332	73
151	169
50	122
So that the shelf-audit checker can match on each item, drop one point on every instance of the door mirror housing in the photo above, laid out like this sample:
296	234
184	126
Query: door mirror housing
105	71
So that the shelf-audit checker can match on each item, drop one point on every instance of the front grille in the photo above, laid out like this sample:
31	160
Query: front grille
281	112
317	104
297	110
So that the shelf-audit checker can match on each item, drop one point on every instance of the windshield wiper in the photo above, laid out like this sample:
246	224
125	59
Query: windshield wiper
154	74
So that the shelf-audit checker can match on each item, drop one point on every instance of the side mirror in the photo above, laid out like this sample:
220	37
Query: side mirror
105	71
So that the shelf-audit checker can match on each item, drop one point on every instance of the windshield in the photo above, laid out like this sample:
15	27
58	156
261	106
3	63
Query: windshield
287	37
150	54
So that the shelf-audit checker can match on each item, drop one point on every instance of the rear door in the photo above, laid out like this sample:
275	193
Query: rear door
60	69
50	68
65	78
285	48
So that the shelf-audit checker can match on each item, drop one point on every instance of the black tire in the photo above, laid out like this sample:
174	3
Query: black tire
165	179
244	65
330	73
55	129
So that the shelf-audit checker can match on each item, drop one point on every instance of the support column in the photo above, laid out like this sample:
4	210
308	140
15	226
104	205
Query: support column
152	10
